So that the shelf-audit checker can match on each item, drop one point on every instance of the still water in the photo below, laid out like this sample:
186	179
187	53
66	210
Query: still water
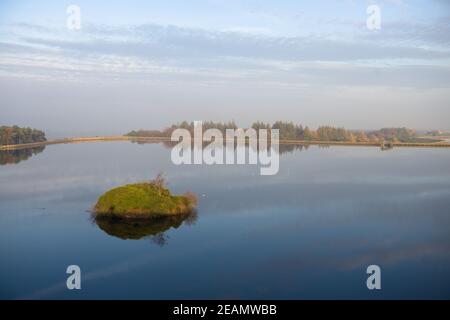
308	232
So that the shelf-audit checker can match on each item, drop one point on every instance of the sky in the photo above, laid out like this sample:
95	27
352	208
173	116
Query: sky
147	64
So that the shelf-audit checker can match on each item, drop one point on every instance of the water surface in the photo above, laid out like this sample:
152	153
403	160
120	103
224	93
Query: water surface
308	232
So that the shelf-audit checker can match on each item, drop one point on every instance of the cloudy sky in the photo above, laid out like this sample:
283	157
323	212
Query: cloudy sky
145	64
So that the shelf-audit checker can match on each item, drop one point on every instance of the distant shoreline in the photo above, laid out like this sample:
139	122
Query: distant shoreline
167	139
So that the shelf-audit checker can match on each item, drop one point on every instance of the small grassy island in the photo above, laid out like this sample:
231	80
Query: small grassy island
143	200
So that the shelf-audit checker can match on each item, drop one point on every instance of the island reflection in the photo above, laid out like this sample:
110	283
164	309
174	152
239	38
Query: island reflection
153	229
16	156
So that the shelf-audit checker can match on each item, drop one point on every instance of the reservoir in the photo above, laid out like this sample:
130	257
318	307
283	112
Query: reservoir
308	232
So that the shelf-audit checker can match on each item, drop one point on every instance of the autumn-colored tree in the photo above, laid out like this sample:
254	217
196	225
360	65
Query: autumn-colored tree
18	135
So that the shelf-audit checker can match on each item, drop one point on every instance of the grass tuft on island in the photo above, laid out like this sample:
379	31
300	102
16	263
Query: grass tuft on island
143	201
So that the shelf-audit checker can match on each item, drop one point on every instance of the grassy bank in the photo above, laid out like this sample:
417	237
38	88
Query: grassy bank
442	144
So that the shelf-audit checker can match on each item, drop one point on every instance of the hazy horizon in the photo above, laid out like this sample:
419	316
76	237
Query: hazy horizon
146	65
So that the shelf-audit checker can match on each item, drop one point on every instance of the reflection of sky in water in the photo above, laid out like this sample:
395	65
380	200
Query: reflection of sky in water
308	232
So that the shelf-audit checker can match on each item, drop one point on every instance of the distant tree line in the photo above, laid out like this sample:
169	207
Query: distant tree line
395	134
167	132
18	135
291	131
